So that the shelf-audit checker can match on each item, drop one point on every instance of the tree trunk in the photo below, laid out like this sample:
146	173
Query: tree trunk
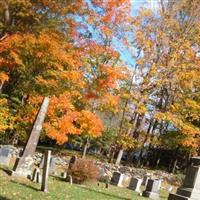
1	86
119	157
99	151
174	166
174	161
7	14
139	126
112	157
149	132
187	162
15	139
86	145
158	158
120	154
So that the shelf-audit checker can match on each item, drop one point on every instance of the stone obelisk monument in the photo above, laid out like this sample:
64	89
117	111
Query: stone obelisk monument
23	164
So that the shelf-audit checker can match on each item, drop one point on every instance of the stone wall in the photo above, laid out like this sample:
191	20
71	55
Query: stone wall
107	169
168	178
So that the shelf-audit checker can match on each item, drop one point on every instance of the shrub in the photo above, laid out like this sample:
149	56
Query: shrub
84	170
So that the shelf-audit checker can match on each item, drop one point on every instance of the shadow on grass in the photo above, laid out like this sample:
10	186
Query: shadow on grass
25	185
103	193
58	178
4	198
6	170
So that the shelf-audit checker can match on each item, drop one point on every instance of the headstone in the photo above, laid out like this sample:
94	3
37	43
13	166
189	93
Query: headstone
126	180
145	180
69	179
64	175
71	162
117	179
4	156
52	165
135	184
152	189
45	173
190	190
24	163
73	159
37	176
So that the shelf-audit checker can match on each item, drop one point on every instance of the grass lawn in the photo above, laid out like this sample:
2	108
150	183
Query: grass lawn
18	189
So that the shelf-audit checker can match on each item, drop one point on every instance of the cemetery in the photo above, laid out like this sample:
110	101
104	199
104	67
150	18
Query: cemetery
100	99
46	174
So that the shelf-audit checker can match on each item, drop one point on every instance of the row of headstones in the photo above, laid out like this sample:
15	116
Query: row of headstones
37	176
46	167
47	164
5	159
40	174
152	185
190	188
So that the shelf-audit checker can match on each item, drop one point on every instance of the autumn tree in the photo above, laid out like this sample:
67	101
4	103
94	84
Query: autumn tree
168	68
47	51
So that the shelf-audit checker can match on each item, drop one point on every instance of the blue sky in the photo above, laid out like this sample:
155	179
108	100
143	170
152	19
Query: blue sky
126	56
136	4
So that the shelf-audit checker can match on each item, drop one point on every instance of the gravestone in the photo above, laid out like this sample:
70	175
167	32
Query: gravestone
152	189
72	161
190	190
52	165
45	173
145	180
4	156
117	179
37	176
69	179
64	175
126	180
135	184
24	163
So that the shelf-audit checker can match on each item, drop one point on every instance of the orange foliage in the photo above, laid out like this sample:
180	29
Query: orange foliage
49	60
63	119
110	76
90	124
3	77
110	102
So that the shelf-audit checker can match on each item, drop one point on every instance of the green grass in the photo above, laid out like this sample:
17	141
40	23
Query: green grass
21	189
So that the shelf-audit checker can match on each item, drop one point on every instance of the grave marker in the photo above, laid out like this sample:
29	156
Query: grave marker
4	156
23	164
145	180
190	190
152	189
45	173
64	175
69	179
135	184
52	165
117	179
37	176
